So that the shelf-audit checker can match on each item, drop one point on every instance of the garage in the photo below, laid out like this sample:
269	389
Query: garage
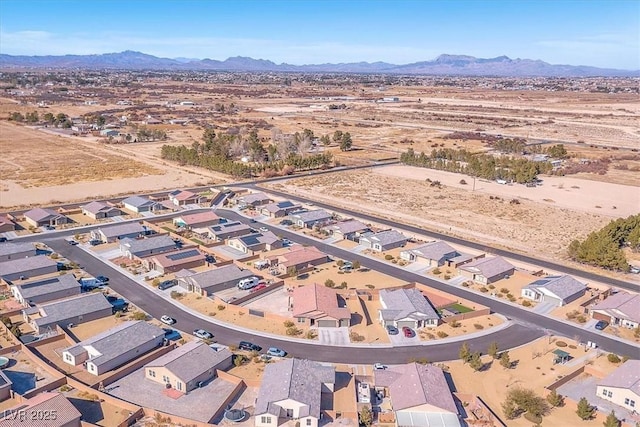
407	323
326	323
345	322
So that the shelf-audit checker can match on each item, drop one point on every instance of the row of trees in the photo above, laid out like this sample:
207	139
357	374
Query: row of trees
479	165
58	120
603	248
146	134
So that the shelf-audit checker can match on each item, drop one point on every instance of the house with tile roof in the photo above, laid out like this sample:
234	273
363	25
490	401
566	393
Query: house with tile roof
318	305
254	199
140	204
45	290
24	268
6	224
383	240
114	347
35	408
173	261
76	310
185	197
255	242
436	254
620	309
487	270
559	290
38	217
406	307
622	386
100	210
419	395
197	220
226	230
188	366
293	389
298	258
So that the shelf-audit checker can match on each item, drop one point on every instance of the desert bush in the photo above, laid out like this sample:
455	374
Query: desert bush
446	277
504	290
561	343
155	283
139	315
436	271
442	334
311	334
478	326
293	331
388	257
455	324
463	182
356	337
329	283
484	289
288	323
526	303
221	307
371	286
613	358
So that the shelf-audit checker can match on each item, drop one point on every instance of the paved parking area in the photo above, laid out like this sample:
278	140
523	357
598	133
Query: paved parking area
200	404
231	293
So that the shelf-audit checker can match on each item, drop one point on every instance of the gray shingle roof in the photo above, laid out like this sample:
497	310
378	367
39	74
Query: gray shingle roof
434	250
218	276
119	340
16	266
347	227
256	239
135	246
72	307
138	201
413	384
621	305
560	286
228	227
255	197
10	248
275	207
406	303
310	216
296	379
488	266
44	403
626	376
122	229
95	207
40	214
386	237
191	360
47	286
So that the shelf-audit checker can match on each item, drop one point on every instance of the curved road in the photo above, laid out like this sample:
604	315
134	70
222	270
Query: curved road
440	236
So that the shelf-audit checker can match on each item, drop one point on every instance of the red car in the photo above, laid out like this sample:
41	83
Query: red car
407	331
259	287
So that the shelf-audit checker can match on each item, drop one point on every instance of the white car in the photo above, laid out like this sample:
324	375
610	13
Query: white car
379	366
167	320
248	283
263	229
201	333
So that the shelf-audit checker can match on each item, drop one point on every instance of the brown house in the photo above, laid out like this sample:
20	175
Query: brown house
171	262
6	224
318	305
298	258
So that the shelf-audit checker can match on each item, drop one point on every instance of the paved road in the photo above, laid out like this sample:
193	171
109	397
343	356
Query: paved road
149	301
635	287
524	316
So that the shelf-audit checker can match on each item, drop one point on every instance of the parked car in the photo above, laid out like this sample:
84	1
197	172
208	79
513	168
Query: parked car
95	242
601	325
167	320
263	229
73	242
286	242
379	366
210	259
246	345
49	227
3	239
119	305
635	270
253	221
111	298
248	283
407	331
259	287
392	330
166	284
274	351
102	279
286	222
201	333
171	334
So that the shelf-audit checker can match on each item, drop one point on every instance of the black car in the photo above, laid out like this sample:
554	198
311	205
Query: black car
286	222
166	284
102	279
95	242
246	345
3	239
392	330
601	325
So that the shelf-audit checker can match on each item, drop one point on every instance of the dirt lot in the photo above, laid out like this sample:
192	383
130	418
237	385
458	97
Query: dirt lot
524	226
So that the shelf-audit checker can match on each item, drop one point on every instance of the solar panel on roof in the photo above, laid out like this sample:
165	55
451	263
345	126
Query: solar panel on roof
183	255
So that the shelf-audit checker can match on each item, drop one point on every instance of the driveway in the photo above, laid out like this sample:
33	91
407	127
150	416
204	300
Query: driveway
401	340
228	252
334	336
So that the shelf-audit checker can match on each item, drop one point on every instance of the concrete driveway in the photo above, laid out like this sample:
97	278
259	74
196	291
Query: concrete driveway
400	339
334	336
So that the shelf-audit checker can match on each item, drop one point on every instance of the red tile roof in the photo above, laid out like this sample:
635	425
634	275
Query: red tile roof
317	301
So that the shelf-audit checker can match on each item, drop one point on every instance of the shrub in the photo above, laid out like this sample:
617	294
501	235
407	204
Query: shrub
221	307
484	289
139	315
343	285
340	263
288	323
478	326
388	257
581	318
371	286
356	337
311	334
442	334
492	287
436	271
613	358
526	303
293	331
176	295
329	283
446	277
463	182
504	290
561	343
155	283
455	324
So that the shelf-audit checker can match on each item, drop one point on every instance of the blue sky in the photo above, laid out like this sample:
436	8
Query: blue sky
599	33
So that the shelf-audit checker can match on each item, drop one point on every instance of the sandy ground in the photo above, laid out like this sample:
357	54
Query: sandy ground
522	227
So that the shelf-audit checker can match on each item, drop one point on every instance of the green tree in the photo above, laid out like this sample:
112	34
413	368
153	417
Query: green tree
337	136
505	360
555	399
365	416
356	265
493	350
521	400
465	353
325	140
475	361
346	142
612	420
585	410
557	151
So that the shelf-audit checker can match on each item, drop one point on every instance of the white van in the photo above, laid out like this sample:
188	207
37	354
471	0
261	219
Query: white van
248	283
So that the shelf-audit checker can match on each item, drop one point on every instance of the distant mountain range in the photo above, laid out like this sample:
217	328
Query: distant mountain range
449	65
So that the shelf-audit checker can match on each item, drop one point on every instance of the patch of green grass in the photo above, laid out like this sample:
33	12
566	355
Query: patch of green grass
460	308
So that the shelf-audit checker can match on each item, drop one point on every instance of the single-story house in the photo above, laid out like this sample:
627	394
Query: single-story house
141	204
227	230
11	250
383	240
311	219
138	248
437	253
170	262
298	258
406	307
23	268
487	270
114	347
196	220
621	308
217	279
38	217
293	389
419	395
6	224
188	366
76	310
115	232
48	408
318	305
51	289
255	242
109	133
100	210
350	229
5	387
185	197
622	386
279	209
559	290
254	199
